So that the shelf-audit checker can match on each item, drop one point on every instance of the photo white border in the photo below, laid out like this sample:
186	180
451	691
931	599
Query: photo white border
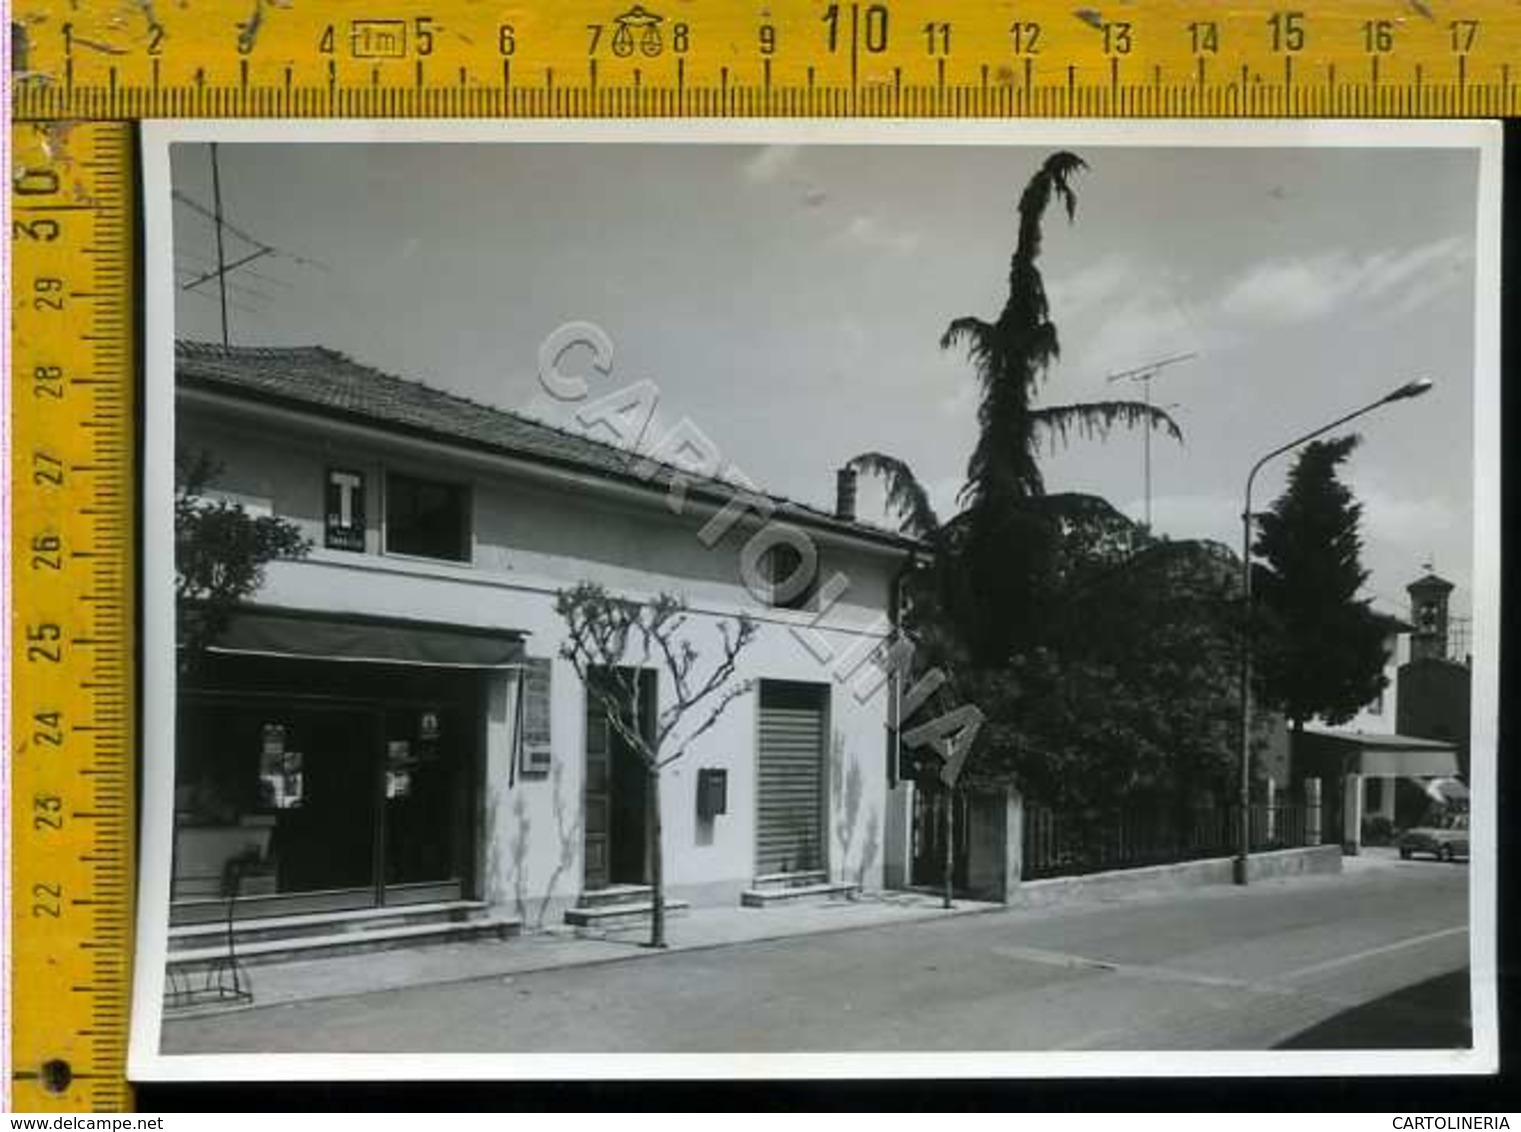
145	1061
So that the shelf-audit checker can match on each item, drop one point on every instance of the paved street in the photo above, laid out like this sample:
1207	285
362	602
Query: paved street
1211	968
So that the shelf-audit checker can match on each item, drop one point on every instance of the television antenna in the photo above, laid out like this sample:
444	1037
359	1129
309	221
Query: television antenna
224	227
1144	375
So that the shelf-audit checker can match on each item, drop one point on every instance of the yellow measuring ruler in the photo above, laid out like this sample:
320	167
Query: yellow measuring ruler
277	58
73	533
83	69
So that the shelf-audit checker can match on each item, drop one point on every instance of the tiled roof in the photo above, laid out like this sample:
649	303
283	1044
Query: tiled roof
327	382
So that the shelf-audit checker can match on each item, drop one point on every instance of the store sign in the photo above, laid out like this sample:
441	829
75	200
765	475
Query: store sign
345	510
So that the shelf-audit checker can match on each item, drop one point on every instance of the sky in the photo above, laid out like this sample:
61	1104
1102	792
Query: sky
788	300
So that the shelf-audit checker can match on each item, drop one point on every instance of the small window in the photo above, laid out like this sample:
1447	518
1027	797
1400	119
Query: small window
427	518
780	567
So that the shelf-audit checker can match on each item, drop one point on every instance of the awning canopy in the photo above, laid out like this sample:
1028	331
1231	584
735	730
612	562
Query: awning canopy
1386	755
296	634
1440	762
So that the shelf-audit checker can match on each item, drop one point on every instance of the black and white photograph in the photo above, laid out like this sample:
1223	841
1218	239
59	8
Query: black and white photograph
812	599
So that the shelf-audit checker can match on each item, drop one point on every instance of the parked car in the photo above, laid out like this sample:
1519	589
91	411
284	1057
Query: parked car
1445	838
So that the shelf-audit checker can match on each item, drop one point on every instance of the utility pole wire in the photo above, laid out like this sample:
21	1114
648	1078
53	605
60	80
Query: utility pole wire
210	214
221	271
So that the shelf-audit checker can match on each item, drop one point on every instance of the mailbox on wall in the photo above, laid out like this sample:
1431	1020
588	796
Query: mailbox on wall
712	792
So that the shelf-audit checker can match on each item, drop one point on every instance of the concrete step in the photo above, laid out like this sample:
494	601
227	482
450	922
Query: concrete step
615	894
620	917
800	879
761	897
346	943
270	905
259	930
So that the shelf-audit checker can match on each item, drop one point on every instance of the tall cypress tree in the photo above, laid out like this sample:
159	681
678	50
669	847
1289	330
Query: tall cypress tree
1319	647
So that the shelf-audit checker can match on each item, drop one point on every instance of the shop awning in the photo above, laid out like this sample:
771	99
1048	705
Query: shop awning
296	634
1391	756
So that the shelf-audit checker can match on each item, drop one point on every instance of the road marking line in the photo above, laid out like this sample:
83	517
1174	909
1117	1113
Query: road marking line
1359	956
1272	984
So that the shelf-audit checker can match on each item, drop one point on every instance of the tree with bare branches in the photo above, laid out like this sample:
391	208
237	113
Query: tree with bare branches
609	641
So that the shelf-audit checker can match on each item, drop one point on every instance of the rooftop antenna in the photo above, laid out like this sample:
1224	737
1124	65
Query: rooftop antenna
223	227
216	204
1144	374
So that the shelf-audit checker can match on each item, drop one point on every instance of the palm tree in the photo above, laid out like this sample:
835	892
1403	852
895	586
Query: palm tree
997	548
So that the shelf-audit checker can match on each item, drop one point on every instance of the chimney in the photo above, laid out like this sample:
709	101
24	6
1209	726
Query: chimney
845	494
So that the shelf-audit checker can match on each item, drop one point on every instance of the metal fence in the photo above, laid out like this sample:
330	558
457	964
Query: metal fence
1070	844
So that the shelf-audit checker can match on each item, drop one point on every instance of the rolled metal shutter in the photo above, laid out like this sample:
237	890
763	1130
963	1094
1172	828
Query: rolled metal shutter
790	817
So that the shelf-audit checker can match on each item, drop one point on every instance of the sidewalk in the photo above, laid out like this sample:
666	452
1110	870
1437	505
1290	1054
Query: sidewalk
284	983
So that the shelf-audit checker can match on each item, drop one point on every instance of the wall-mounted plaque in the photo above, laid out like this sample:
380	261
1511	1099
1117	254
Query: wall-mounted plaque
534	748
345	510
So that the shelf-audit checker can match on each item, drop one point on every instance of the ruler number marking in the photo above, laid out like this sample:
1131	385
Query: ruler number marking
1287	31
47	293
1463	35
31	182
48	729
44	643
1026	37
1204	37
870	26
47	551
47	382
47	812
47	469
1378	36
47	900
44	229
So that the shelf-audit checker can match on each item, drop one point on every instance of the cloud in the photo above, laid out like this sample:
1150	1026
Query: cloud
1297	290
873	232
777	164
1098	283
770	162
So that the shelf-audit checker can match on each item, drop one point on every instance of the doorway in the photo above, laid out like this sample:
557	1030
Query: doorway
617	786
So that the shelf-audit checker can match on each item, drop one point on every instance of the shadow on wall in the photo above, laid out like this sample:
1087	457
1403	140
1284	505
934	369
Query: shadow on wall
846	794
568	839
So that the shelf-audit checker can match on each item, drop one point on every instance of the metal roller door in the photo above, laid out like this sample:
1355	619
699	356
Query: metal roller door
790	818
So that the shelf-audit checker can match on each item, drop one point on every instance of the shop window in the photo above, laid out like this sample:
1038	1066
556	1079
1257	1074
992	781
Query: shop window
427	518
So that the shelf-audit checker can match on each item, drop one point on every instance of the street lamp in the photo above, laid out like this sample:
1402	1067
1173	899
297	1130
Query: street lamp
1404	392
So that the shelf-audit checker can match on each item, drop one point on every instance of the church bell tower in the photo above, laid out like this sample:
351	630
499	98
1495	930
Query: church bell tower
1428	612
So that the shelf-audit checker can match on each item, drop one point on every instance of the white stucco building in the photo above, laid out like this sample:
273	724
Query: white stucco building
390	722
1373	758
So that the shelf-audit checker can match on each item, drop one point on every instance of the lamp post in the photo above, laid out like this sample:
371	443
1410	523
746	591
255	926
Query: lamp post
1404	392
